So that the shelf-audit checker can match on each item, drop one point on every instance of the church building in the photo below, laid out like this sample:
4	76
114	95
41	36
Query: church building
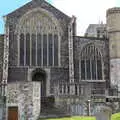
48	70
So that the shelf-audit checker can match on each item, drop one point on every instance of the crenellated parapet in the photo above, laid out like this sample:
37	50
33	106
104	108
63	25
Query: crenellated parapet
113	10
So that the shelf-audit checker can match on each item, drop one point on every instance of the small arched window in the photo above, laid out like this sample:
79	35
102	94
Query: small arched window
91	63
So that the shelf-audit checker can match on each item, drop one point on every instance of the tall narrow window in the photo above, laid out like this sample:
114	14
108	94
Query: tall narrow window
99	69
33	49
22	49
39	49
27	49
56	50
45	50
94	70
50	50
91	63
82	69
88	69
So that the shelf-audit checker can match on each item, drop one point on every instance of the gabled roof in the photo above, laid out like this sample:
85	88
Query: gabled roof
38	3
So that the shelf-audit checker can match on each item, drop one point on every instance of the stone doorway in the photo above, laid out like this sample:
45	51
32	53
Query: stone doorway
40	75
12	113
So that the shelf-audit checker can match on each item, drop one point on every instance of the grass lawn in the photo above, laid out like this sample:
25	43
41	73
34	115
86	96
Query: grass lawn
114	117
74	118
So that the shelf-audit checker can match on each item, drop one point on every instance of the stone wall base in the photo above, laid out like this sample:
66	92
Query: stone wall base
26	97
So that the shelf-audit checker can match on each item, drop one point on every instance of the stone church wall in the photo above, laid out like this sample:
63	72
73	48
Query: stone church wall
17	74
58	75
13	20
101	44
25	96
1	54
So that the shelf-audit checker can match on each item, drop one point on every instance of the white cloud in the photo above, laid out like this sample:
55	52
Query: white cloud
86	11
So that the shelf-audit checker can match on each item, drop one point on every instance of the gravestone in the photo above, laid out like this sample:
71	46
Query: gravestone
104	113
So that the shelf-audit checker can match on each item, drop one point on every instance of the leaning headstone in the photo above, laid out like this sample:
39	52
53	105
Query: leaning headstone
104	113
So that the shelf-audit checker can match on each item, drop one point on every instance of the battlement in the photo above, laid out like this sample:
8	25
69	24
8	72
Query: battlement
113	10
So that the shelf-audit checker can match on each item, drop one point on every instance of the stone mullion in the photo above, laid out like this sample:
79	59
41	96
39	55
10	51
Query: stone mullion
85	67
87	58
47	50
53	49
30	48
96	54
41	49
59	55
80	70
102	65
24	48
36	47
36	32
85	70
19	49
90	62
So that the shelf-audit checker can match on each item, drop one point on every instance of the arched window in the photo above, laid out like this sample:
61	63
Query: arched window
39	41
91	63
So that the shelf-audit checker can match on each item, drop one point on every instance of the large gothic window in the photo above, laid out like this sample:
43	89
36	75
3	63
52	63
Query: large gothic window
91	63
39	41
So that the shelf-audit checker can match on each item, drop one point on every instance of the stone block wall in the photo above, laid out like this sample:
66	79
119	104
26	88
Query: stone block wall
25	96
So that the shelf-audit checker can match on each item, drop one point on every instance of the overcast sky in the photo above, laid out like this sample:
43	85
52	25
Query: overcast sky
86	11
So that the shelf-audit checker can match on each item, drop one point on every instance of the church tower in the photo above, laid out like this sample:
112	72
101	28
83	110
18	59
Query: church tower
113	28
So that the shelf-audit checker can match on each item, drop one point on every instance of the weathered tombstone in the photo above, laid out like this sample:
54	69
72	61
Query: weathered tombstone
104	113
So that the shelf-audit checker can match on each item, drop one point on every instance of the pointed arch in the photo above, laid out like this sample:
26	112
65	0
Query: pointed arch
91	63
43	48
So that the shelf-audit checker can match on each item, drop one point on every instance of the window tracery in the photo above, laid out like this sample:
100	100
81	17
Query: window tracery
91	64
42	38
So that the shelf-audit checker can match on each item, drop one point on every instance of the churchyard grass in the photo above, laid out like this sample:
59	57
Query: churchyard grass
115	116
73	118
